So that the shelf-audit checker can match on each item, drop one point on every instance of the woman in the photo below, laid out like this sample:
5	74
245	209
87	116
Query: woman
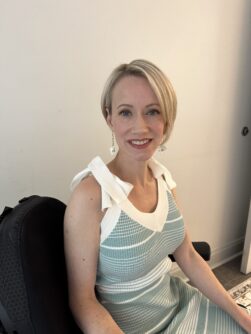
122	222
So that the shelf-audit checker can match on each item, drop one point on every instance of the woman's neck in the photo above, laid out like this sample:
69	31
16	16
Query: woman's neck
135	172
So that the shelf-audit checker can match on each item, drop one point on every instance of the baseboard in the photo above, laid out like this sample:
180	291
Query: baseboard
219	256
227	253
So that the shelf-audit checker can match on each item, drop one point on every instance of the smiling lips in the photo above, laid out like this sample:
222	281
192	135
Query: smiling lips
140	143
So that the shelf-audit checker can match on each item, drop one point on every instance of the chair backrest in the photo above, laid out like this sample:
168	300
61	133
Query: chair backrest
39	250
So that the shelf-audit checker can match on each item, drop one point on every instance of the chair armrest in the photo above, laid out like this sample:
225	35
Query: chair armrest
202	248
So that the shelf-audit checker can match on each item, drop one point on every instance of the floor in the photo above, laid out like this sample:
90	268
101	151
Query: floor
230	275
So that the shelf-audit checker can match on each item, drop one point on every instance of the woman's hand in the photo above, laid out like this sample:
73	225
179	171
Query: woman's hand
245	321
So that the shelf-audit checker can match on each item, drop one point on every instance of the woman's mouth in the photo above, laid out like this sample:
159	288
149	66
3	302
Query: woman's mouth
140	143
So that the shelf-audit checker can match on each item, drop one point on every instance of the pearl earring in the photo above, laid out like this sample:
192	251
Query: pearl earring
162	148
113	148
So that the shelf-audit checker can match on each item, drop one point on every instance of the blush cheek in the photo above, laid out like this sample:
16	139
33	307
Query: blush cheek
160	129
120	133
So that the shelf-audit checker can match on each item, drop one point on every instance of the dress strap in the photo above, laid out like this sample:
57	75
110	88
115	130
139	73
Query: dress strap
79	177
116	188
112	188
160	170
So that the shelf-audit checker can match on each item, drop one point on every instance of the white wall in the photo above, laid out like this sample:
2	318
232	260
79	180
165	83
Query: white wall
54	59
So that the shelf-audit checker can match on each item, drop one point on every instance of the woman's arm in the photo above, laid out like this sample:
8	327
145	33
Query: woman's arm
81	238
202	277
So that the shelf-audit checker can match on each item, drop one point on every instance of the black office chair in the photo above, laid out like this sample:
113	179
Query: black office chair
33	281
202	248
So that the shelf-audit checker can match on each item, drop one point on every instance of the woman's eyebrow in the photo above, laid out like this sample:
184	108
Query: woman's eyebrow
152	105
124	105
130	105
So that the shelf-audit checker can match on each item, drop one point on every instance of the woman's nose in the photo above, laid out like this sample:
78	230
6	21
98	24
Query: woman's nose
140	124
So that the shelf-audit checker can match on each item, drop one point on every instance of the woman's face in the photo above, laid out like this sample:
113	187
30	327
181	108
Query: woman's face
136	118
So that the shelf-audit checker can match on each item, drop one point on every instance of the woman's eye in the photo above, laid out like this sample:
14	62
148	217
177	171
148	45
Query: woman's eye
125	113
153	112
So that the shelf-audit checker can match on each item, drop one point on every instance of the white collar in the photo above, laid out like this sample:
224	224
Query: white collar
112	186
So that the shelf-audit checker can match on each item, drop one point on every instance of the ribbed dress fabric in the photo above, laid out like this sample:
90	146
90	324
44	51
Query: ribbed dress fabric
133	278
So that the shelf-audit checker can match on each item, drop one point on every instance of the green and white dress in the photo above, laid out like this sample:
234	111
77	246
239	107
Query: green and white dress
133	278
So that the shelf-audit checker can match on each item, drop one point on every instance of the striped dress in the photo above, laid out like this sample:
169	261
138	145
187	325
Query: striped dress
133	278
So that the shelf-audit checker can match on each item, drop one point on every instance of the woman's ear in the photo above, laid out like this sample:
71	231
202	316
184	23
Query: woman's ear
109	118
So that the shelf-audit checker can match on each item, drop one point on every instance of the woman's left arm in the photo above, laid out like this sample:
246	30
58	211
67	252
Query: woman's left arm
202	277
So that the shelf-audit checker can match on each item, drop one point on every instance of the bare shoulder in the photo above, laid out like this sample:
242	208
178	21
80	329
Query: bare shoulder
87	189
85	202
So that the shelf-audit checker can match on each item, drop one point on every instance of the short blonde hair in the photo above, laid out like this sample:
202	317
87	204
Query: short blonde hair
157	80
